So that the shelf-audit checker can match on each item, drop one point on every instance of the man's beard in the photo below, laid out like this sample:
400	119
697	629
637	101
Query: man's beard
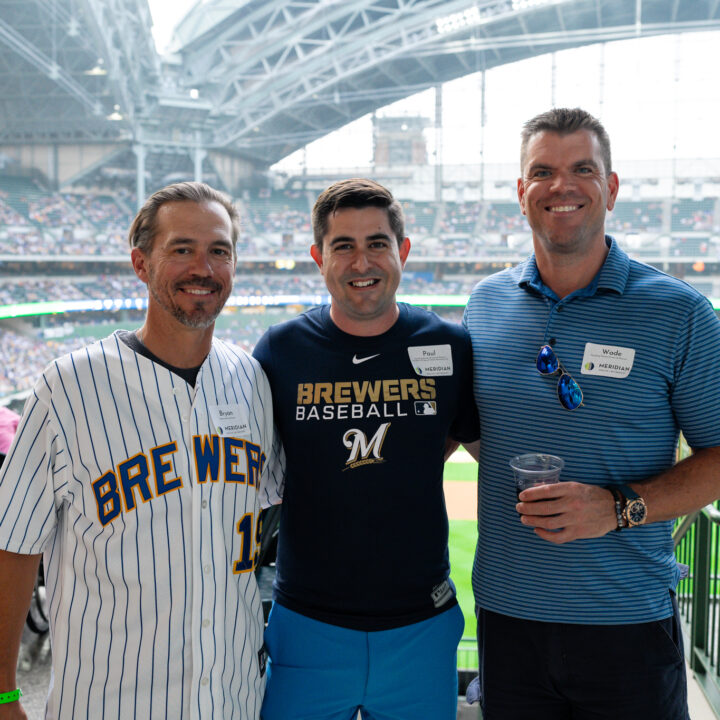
202	317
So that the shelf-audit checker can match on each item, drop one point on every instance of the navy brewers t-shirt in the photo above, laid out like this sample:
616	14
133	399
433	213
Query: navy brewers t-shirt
364	420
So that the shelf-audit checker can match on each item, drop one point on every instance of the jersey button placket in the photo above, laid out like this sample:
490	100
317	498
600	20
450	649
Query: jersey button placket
551	333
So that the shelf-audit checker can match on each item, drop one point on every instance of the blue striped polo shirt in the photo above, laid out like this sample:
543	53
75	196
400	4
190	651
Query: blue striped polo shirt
625	431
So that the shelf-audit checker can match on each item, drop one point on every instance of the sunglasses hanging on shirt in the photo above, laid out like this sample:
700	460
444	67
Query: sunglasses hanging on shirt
568	391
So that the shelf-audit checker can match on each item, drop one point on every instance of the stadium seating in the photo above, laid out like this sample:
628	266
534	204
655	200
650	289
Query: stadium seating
477	239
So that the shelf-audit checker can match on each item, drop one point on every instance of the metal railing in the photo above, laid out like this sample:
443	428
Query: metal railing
697	545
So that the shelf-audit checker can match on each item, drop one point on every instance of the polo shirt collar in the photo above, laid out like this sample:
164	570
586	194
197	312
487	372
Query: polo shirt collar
612	276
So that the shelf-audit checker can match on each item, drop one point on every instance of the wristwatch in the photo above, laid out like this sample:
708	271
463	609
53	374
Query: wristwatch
635	510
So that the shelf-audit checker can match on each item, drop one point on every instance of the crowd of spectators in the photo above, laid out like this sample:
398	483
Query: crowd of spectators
45	289
68	242
277	224
54	211
420	217
694	215
37	289
22	358
8	214
460	218
504	218
101	210
630	216
14	290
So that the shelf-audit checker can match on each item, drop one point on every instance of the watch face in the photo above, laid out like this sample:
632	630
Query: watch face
635	512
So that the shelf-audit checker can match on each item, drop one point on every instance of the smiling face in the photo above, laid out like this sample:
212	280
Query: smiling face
362	265
565	192
190	264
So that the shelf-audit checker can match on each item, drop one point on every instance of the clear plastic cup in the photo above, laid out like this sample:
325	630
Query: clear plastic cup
535	469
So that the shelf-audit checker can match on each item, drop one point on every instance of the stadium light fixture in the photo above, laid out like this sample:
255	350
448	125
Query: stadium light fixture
520	5
97	69
459	20
475	16
115	115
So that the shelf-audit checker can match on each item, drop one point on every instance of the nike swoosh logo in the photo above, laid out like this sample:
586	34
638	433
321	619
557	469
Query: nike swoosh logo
357	360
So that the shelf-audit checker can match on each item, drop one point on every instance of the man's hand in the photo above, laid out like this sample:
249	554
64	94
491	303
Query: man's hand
17	579
567	511
12	711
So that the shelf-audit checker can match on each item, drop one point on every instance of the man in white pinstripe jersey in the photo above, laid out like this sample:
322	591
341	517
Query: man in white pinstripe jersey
139	470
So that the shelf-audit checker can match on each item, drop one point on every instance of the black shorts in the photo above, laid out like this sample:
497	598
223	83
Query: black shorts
533	670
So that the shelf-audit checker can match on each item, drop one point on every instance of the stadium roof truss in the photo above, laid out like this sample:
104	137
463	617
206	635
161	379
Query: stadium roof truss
67	65
262	78
281	74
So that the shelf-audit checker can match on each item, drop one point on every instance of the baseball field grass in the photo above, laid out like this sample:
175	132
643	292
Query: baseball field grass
463	536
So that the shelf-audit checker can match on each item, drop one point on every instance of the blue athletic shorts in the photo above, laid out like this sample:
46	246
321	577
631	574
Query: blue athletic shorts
319	671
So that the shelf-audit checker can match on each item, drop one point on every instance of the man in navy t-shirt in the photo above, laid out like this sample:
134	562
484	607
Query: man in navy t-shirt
368	394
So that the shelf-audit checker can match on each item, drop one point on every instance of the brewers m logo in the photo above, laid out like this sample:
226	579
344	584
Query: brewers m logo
362	450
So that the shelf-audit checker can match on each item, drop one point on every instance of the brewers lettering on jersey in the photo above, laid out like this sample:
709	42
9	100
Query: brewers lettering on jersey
139	470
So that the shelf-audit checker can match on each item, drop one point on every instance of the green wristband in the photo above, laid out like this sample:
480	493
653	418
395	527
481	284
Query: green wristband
10	696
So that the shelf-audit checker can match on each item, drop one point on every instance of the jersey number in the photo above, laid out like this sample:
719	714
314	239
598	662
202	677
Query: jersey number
248	558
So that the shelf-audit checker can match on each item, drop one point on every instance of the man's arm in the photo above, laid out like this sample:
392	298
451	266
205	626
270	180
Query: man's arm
450	447
474	449
578	510
17	579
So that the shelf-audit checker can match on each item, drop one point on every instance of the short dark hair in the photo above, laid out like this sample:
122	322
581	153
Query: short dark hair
356	193
144	226
565	121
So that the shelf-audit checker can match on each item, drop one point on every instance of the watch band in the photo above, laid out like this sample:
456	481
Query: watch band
628	492
619	506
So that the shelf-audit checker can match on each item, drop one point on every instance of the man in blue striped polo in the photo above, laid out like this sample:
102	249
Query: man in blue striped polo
584	353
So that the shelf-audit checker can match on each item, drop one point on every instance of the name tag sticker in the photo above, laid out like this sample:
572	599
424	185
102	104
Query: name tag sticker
431	359
230	420
607	360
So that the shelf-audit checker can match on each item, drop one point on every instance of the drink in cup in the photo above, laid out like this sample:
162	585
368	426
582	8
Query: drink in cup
535	469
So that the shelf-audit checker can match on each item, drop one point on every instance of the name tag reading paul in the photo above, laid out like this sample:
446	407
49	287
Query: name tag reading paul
431	359
230	420
607	360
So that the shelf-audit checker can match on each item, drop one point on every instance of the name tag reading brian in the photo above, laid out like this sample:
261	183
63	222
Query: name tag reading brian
230	420
607	360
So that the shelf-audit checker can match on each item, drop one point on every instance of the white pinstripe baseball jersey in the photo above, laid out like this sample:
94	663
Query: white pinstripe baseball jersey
144	495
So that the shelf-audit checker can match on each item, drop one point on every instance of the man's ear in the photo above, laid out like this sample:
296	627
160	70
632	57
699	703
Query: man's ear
139	263
316	255
521	195
613	187
403	250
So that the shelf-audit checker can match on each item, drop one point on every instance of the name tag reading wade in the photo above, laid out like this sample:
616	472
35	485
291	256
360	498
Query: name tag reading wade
431	359
607	360
229	420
